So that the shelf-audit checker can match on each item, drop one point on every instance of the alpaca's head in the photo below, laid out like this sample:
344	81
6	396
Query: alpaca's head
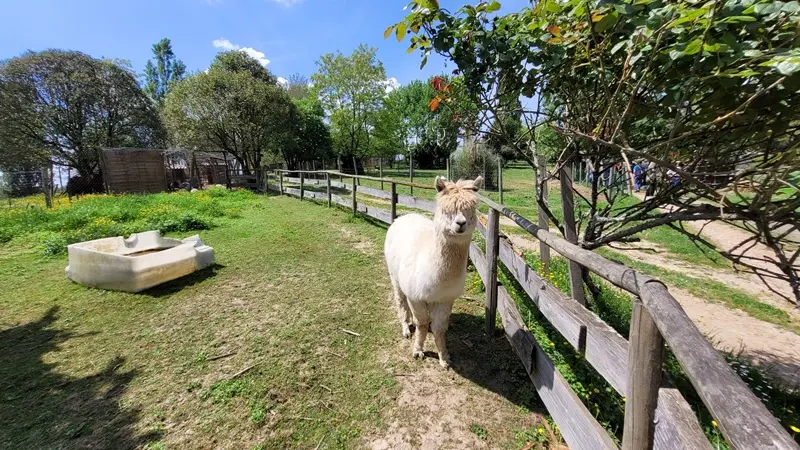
456	208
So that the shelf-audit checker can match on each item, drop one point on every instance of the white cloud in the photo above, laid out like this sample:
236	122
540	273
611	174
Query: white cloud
283	81
287	3
391	84
255	54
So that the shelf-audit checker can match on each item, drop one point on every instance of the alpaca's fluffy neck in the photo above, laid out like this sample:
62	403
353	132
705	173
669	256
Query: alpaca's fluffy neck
450	257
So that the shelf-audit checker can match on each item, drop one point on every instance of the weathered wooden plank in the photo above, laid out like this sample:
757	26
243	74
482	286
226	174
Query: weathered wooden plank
576	423
492	244
418	203
302	185
645	360
376	213
374	192
743	419
677	426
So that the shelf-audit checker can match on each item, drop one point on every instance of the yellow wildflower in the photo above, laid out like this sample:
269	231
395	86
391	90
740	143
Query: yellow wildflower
795	429
714	422
541	430
624	399
596	390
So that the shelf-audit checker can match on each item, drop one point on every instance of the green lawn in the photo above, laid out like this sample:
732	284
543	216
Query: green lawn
84	368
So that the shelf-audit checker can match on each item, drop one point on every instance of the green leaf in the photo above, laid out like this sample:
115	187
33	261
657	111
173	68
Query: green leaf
493	6
401	31
791	7
753	53
552	6
737	19
745	73
618	46
388	32
766	9
692	47
606	23
424	61
788	66
675	54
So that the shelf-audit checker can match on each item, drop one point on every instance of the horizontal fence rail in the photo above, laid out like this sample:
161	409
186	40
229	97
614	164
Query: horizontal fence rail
656	416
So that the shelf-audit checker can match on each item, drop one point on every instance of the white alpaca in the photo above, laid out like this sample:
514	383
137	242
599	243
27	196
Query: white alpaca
427	262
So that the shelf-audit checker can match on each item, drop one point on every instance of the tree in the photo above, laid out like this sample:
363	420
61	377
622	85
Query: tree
298	87
351	88
64	106
709	91
238	61
308	139
230	109
167	70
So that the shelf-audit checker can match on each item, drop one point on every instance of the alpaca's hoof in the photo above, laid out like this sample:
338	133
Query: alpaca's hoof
406	332
444	363
418	354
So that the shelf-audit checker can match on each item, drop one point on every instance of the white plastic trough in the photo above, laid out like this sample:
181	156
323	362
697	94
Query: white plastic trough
137	263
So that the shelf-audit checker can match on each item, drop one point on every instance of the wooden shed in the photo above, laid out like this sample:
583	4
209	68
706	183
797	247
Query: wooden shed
133	170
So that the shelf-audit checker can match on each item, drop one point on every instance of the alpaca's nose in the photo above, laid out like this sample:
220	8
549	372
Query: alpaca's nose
462	223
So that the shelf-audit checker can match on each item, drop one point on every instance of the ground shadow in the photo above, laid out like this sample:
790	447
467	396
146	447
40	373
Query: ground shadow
42	408
174	286
489	362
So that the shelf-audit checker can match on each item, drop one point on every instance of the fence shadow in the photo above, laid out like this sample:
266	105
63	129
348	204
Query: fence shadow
43	408
489	362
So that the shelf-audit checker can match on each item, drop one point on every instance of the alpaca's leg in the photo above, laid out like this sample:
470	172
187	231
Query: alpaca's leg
440	318
421	321
403	311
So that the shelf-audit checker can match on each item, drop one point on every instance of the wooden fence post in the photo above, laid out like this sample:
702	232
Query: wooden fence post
47	187
544	250
302	186
492	250
394	201
380	171
328	186
280	181
500	177
645	358
570	232
355	201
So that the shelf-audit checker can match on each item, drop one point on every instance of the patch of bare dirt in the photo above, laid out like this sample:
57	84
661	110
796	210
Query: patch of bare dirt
768	346
480	403
359	243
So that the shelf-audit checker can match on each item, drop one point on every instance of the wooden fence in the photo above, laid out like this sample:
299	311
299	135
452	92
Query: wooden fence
656	414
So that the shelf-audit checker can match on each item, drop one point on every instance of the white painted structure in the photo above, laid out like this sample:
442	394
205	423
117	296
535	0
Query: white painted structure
137	263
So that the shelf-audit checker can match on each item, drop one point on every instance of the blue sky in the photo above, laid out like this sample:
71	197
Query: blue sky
291	34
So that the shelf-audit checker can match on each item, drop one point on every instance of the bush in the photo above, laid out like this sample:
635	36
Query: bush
99	216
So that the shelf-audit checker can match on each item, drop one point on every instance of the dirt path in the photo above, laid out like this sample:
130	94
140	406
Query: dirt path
485	400
768	346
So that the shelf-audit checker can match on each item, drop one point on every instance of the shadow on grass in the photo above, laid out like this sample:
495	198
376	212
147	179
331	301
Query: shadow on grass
489	363
178	285
42	408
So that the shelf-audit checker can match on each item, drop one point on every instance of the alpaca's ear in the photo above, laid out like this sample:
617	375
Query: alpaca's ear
440	184
477	184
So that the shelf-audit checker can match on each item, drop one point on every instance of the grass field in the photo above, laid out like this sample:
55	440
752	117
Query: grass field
249	354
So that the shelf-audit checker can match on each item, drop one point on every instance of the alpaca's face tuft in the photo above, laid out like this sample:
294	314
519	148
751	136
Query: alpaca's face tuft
456	205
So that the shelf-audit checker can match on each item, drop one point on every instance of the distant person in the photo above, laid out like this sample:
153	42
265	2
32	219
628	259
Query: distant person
637	176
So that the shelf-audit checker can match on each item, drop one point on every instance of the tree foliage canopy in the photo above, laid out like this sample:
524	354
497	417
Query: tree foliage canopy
708	90
351	89
64	106
166	71
230	109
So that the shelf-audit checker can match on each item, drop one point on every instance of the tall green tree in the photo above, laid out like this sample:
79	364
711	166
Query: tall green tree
230	109
64	106
351	88
237	61
164	73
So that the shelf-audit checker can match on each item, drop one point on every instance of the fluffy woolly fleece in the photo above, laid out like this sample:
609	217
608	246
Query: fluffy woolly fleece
427	262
